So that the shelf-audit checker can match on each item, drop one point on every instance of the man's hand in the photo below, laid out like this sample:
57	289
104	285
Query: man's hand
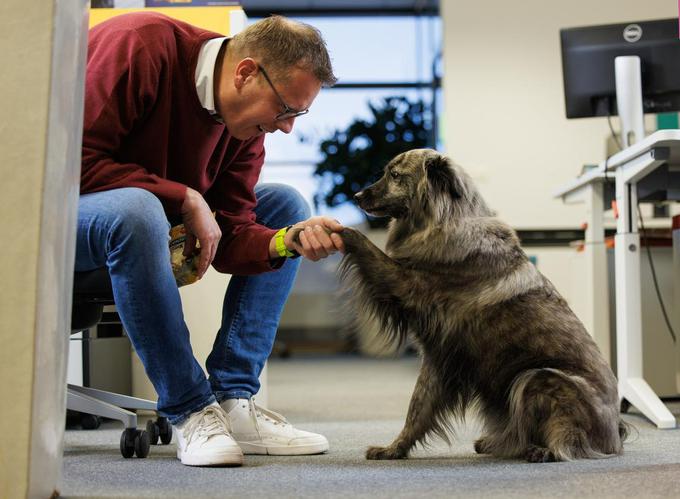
315	238
200	225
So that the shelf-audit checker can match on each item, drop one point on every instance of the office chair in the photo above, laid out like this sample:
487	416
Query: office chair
91	292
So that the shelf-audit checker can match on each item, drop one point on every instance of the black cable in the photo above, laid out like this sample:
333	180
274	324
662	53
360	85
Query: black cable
611	128
616	139
656	283
606	178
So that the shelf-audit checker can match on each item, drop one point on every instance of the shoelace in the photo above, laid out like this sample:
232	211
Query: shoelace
206	423
256	411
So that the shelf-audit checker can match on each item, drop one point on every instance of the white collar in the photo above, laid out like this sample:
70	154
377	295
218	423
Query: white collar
205	74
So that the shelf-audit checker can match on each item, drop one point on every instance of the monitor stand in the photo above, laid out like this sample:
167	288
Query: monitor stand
629	99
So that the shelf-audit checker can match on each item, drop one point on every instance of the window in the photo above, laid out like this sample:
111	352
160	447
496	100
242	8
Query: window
373	58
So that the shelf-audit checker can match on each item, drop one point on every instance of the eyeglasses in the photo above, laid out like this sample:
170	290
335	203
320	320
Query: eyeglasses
288	112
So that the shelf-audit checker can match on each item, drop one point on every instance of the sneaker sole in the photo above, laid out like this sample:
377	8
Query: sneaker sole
287	450
222	459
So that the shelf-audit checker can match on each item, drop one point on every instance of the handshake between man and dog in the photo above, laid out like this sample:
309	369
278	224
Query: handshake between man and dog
493	331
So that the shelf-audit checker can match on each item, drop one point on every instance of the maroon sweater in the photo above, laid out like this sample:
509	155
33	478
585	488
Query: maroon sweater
145	127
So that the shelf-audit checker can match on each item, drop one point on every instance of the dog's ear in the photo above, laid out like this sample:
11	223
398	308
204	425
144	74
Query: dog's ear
441	176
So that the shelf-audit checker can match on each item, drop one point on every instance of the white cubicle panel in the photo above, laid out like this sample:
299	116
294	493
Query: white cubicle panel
42	50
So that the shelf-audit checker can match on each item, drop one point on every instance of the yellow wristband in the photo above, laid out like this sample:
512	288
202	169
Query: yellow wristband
281	246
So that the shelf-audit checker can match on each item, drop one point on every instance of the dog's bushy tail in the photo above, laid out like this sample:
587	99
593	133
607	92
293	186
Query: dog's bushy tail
556	410
625	429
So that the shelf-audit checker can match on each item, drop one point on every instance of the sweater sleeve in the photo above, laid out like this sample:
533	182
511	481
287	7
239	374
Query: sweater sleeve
120	88
244	247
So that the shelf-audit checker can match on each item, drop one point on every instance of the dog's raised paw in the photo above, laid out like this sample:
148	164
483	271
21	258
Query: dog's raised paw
382	453
535	454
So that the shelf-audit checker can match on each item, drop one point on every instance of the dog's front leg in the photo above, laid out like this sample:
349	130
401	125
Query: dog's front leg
357	245
382	277
425	413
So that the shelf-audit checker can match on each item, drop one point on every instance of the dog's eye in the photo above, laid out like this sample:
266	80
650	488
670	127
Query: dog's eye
394	174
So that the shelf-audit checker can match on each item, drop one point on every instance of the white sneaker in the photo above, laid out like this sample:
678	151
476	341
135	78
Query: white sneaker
260	431
204	439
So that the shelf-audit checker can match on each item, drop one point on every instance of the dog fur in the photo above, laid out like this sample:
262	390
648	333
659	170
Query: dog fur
493	331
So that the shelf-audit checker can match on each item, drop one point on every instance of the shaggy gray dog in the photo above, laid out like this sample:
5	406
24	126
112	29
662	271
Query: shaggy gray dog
494	332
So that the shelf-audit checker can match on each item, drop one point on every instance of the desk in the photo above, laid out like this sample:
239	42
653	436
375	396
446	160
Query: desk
635	171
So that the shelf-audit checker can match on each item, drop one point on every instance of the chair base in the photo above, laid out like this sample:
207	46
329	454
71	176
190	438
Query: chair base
110	405
106	404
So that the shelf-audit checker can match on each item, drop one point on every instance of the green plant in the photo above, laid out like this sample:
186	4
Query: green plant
354	158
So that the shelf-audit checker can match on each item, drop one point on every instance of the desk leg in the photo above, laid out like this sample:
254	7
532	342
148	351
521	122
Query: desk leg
596	282
632	386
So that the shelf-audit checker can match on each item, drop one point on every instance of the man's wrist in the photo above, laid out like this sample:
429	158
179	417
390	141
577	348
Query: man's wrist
280	244
188	199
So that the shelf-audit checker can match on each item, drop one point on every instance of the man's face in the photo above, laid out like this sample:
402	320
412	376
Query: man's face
259	105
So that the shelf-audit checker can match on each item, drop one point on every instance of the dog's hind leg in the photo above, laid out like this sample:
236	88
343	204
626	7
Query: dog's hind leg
498	437
482	445
557	417
425	415
490	440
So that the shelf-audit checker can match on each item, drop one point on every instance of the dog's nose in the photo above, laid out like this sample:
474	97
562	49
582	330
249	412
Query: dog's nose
359	195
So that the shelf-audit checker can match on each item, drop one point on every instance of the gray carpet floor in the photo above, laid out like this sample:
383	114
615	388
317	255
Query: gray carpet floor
358	402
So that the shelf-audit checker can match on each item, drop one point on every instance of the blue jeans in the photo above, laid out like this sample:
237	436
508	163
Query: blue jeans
127	231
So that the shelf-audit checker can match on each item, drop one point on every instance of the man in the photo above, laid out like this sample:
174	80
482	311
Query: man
175	118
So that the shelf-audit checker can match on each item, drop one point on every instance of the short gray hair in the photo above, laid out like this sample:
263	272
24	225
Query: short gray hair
279	44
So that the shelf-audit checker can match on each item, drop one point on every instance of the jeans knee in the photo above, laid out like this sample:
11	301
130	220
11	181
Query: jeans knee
289	203
142	217
296	205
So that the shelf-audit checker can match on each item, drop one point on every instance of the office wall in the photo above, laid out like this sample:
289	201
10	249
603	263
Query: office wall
42	53
504	117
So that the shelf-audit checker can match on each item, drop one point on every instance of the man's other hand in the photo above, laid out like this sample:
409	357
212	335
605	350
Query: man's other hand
200	225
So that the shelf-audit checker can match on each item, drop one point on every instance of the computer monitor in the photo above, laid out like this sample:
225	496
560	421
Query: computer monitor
588	55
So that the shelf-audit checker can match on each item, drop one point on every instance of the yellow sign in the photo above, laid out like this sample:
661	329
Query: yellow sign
223	20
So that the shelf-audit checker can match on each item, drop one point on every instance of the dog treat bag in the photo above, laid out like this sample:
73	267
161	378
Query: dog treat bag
184	268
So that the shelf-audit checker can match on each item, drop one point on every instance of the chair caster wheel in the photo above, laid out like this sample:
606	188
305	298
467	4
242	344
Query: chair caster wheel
133	441
142	444
90	421
165	430
160	428
153	431
127	442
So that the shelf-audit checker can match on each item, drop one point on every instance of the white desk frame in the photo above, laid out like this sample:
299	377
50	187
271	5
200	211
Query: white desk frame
629	166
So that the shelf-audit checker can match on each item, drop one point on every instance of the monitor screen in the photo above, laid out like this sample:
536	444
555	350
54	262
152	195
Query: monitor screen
588	55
